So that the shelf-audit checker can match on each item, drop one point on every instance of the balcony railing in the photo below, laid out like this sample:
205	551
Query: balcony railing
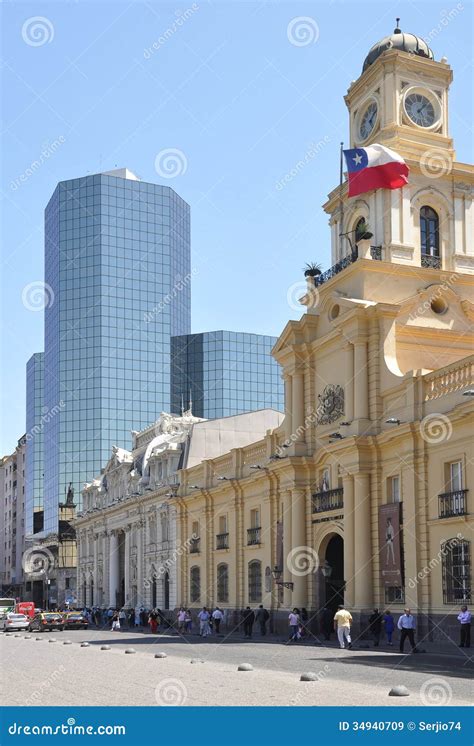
195	546
328	500
375	253
222	541
254	535
431	262
452	503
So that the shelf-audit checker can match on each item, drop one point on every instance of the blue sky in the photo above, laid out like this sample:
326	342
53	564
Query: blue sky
85	86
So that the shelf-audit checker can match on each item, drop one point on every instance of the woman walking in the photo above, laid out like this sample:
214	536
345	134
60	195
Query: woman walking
389	625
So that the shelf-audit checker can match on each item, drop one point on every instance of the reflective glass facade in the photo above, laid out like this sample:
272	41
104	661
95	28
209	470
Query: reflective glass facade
227	373
116	253
35	418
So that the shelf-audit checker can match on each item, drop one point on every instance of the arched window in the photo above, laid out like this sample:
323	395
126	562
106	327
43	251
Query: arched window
429	231
255	581
456	571
195	583
360	228
223	582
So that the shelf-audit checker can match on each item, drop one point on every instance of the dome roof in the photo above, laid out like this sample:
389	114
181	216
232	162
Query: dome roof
401	41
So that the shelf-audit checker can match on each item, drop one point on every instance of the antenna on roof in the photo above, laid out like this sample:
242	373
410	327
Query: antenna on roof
190	402
397	30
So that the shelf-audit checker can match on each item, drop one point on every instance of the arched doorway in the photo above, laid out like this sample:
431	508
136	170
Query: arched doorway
333	572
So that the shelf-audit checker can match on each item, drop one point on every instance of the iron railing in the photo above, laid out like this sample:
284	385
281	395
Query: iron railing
254	535
431	262
195	546
375	252
452	503
222	542
328	500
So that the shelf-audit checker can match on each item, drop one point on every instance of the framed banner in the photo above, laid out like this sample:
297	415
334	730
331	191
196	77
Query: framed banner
389	543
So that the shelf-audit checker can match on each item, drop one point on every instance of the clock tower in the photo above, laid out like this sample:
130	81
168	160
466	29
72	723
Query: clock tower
400	100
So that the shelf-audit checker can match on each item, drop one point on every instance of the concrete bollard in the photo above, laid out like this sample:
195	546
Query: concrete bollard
399	691
105	647
309	676
130	651
160	655
84	644
52	640
245	667
67	642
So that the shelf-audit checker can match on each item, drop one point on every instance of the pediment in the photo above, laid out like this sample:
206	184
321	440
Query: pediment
438	307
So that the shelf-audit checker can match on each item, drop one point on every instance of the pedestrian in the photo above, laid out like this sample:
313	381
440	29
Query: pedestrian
217	617
327	622
294	622
342	626
188	621
137	618
261	617
375	626
389	626
153	621
143	617
204	617
249	619
407	625
181	620
122	617
465	619
115	622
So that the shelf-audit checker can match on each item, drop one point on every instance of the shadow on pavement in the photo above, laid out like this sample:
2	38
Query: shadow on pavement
419	663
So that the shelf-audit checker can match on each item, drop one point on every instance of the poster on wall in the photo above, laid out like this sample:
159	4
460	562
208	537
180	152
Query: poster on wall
389	543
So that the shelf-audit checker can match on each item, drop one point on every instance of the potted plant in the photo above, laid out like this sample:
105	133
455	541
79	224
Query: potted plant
362	232
312	269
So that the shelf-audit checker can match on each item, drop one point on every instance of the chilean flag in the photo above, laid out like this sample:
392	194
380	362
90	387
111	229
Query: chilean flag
375	167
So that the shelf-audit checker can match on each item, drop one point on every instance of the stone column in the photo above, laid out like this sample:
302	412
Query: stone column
287	543
348	487
363	545
140	588
361	381
95	600
288	406
298	541
113	568
128	534
349	387
298	407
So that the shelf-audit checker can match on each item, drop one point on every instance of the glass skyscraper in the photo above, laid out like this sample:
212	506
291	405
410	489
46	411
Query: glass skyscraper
117	275
226	373
35	420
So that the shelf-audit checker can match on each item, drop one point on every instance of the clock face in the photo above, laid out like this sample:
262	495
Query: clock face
420	109
368	119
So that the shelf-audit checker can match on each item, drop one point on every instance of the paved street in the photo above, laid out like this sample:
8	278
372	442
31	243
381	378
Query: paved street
36	672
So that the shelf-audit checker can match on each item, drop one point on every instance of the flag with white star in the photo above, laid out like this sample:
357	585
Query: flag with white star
374	167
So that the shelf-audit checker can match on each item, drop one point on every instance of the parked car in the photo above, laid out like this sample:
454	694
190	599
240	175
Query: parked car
75	620
46	620
15	621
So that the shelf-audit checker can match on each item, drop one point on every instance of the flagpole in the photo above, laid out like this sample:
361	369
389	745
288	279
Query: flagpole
341	204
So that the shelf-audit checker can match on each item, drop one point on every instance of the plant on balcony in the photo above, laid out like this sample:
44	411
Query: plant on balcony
362	232
312	269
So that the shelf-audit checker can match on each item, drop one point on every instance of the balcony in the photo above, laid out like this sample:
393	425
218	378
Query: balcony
452	503
328	500
195	546
431	262
375	253
222	541
254	536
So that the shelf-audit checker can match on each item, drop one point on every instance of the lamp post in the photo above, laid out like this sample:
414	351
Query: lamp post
277	573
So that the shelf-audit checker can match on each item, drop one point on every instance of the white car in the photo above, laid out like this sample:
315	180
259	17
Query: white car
15	621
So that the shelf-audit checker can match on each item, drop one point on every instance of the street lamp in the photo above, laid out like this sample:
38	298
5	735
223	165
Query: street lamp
277	573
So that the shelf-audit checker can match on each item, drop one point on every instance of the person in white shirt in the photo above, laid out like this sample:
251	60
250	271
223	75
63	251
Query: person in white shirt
294	622
204	617
465	618
407	625
217	617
